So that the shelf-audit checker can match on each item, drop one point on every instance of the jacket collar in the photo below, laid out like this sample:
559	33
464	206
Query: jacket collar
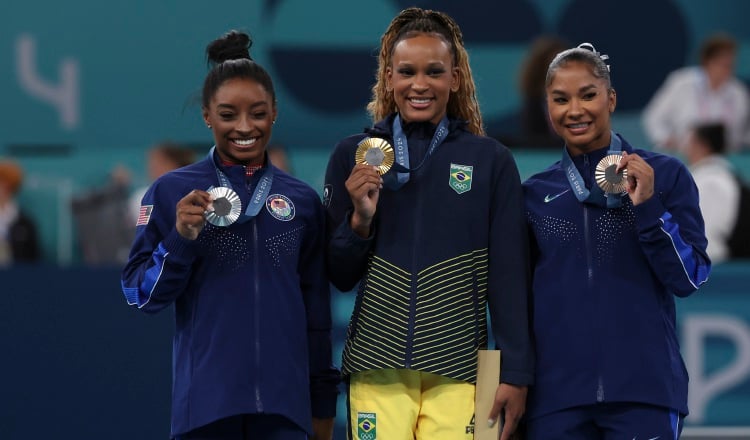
384	127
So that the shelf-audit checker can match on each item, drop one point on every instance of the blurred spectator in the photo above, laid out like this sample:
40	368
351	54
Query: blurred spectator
106	217
720	191
160	159
19	242
706	93
536	130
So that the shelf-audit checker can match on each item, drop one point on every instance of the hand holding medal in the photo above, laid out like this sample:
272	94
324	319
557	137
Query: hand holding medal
190	213
373	158
640	178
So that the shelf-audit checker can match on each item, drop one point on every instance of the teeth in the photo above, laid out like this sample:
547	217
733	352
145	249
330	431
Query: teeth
244	142
420	101
580	125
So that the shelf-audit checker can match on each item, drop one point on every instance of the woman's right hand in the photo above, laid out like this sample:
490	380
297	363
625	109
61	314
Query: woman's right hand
363	185
190	210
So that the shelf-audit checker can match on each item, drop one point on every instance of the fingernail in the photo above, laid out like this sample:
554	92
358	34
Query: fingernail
490	423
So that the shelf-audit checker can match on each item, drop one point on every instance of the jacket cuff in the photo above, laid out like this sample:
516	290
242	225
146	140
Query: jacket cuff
181	250
351	240
648	214
518	378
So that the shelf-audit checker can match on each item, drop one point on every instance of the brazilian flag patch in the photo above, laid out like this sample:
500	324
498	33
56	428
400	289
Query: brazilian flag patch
460	179
366	426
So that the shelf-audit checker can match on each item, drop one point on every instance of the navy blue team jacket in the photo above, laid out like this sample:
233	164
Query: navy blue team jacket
604	282
445	247
252	303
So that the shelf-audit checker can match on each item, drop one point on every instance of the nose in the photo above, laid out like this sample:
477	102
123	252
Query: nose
420	83
575	108
244	124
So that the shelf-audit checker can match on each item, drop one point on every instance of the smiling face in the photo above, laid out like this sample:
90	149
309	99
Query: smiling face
241	114
422	77
579	106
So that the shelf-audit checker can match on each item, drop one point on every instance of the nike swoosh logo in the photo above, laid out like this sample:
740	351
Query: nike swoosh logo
548	198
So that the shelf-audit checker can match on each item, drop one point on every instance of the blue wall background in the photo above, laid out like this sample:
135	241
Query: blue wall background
77	362
138	64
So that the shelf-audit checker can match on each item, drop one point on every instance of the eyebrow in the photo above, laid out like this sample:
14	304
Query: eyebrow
429	64
230	106
583	89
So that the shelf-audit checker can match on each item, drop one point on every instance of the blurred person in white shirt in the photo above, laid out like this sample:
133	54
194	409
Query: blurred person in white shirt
718	186
700	94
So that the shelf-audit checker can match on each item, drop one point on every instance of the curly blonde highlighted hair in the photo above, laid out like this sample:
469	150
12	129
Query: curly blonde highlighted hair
463	103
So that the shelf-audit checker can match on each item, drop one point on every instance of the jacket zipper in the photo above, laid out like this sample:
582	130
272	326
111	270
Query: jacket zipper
590	283
413	293
256	293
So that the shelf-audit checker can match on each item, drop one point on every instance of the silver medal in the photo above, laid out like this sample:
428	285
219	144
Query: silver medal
225	207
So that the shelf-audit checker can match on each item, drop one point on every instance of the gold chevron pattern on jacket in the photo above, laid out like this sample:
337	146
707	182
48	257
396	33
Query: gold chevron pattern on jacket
437	330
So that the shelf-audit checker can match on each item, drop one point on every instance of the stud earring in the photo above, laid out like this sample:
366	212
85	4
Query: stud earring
208	125
273	122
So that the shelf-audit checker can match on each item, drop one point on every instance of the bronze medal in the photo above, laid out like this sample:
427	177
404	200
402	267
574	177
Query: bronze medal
608	180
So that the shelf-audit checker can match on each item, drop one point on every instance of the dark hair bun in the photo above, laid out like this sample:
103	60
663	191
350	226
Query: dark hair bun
231	46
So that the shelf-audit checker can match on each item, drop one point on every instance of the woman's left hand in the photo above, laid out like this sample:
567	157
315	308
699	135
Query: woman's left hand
510	401
640	185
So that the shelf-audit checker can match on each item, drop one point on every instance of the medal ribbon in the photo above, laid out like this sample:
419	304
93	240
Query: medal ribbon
597	196
402	150
260	193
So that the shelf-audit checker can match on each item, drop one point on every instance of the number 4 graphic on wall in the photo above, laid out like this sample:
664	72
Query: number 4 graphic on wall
63	96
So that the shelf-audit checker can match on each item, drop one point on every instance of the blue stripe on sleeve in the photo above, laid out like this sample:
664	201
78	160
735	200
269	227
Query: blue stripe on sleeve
674	418
152	275
695	273
133	295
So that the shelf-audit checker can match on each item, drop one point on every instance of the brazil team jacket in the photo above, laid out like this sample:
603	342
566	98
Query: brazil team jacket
604	282
252	303
443	247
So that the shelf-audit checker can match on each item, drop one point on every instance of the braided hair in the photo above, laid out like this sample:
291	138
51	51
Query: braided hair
463	103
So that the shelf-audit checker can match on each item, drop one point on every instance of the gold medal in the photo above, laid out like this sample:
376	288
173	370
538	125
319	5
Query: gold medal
376	152
225	207
606	177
